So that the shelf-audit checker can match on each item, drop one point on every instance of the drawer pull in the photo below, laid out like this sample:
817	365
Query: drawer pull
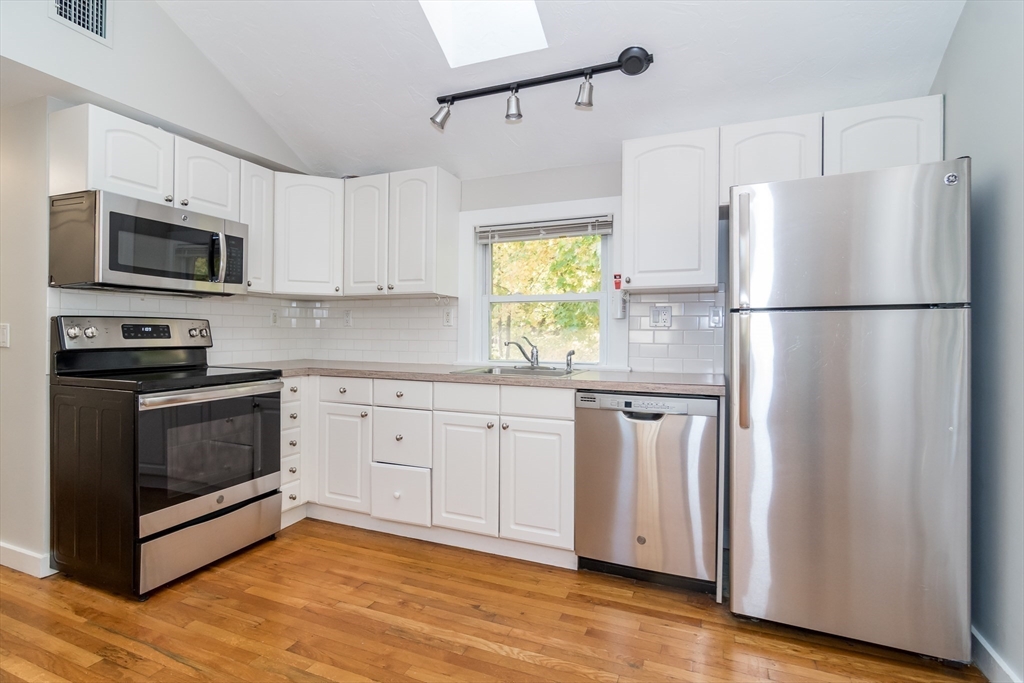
294	416
363	414
293	470
399	394
293	389
397	494
490	425
343	390
398	437
504	425
292	496
293	443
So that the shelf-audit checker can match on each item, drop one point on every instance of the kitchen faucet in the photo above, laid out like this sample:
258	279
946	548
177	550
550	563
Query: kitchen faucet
533	356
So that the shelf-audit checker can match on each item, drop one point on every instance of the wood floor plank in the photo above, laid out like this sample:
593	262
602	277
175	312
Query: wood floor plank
325	603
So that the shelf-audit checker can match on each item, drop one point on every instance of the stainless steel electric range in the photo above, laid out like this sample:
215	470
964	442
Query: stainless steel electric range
159	463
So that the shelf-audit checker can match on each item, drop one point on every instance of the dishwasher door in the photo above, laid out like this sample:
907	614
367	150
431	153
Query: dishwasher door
646	482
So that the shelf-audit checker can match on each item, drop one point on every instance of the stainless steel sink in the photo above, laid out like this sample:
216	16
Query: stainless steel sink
518	371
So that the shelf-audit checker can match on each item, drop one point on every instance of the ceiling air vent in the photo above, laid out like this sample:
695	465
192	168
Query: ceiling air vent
89	17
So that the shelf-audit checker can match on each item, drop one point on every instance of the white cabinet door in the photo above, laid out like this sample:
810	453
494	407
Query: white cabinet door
465	476
767	151
344	446
412	231
537	481
206	180
670	211
257	211
883	135
308	233
94	149
366	235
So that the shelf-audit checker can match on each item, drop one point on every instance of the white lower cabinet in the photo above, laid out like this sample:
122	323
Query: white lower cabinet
400	494
344	447
537	481
402	437
291	495
465	474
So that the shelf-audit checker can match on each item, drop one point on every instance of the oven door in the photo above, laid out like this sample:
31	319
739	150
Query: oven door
204	450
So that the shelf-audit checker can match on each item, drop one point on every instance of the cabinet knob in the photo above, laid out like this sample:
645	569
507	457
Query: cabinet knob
490	425
292	496
293	470
248	283
398	437
628	280
293	443
397	494
294	416
399	394
363	414
169	199
293	389
380	288
343	390
337	289
504	425
391	286
184	202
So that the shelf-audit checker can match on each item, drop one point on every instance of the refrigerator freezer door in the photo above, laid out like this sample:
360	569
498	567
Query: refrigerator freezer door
897	236
850	484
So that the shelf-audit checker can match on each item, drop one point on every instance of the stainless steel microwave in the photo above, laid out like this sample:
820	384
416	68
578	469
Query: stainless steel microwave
104	240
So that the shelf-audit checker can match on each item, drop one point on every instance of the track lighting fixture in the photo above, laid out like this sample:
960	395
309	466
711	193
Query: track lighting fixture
632	61
586	97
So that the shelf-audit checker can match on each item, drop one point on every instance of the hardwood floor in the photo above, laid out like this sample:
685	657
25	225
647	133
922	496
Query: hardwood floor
331	603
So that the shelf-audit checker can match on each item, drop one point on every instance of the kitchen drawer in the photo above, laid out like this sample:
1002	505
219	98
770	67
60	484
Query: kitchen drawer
466	398
291	495
292	390
291	416
401	494
553	404
291	442
402	437
403	394
346	390
289	464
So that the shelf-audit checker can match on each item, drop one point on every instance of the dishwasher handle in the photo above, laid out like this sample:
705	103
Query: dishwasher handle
643	417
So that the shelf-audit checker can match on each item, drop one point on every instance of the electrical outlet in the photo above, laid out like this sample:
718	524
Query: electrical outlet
661	316
448	318
5	335
716	317
346	318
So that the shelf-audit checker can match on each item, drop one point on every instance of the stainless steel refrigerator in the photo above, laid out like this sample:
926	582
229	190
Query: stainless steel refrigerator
849	354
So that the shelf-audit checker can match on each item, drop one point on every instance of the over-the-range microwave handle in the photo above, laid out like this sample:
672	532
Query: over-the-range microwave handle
184	397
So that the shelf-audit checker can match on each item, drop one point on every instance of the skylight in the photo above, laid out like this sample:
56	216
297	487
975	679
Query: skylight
473	31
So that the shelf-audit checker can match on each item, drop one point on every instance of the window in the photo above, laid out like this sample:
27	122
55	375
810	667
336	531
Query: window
547	284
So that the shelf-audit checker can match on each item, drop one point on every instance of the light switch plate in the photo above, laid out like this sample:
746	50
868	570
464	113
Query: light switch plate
5	335
661	316
716	317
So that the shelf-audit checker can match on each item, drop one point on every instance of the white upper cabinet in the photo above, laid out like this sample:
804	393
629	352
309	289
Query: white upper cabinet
767	151
465	474
309	215
344	446
94	149
257	211
883	135
206	180
670	211
366	235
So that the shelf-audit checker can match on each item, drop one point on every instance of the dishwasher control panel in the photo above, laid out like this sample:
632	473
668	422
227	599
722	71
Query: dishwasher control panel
668	405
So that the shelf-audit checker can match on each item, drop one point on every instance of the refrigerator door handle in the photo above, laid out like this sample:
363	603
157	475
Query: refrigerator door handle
744	373
744	249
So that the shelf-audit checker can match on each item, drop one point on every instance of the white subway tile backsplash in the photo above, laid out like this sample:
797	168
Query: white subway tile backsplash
690	345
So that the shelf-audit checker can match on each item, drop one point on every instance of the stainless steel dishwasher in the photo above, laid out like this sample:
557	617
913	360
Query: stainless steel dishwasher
646	483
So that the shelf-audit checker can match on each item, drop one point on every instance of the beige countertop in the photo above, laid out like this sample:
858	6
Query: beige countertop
638	382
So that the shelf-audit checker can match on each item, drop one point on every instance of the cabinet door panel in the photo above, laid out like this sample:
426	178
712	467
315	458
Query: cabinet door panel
257	211
768	151
402	437
206	180
537	488
412	231
670	210
308	234
366	235
883	135
345	451
129	158
465	474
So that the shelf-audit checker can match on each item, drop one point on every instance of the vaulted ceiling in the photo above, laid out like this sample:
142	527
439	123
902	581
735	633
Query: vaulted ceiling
350	84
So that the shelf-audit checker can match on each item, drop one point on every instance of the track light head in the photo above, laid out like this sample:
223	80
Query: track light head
512	111
441	117
586	97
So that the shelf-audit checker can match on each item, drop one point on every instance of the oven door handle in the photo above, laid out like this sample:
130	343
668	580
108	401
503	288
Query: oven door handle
168	399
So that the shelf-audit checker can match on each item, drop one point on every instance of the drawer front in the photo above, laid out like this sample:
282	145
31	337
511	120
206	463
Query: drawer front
291	440
291	416
346	390
552	404
466	398
403	394
293	389
291	495
287	466
402	437
401	494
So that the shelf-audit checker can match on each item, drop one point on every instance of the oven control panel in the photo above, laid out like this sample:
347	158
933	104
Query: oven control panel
109	332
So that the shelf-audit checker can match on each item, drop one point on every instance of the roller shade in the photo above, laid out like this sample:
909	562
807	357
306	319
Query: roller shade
544	230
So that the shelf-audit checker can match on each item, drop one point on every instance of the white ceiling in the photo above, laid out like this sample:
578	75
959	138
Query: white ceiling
350	84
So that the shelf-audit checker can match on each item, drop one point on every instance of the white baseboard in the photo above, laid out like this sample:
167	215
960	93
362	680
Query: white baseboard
25	561
555	557
990	663
289	517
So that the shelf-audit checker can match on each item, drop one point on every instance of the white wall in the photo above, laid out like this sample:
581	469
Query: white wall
152	68
24	264
982	76
543	187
